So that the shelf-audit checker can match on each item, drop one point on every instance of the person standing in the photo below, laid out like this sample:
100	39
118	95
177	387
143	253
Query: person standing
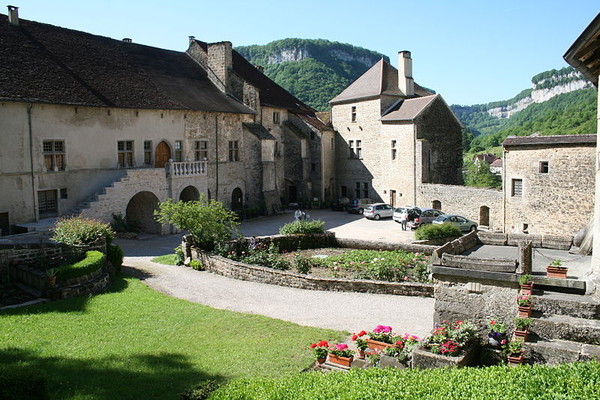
404	218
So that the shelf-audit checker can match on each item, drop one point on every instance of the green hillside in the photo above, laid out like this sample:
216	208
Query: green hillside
315	71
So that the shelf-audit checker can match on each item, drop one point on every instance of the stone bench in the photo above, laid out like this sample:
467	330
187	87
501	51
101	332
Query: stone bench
480	264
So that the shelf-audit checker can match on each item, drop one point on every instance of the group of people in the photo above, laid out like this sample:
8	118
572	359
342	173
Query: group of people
300	215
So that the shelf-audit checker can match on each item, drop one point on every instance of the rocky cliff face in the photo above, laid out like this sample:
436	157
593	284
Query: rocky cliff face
543	90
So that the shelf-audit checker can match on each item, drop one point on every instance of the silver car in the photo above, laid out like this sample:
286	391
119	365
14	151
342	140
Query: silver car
426	217
462	223
378	210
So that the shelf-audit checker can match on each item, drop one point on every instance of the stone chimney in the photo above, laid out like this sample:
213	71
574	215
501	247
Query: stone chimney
406	84
220	63
13	15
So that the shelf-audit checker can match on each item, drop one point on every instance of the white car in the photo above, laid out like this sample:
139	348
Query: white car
378	210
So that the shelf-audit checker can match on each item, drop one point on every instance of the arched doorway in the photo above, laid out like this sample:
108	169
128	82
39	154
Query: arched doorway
436	205
236	200
162	154
190	193
141	210
484	216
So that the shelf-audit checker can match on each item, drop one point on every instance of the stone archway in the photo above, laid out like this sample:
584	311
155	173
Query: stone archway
141	210
237	203
190	193
162	154
484	216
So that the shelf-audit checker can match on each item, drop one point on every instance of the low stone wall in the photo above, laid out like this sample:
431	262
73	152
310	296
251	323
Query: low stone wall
92	283
375	245
238	270
480	264
295	242
513	239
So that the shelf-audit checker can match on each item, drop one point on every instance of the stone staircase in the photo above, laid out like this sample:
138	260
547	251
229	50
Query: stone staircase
98	195
566	328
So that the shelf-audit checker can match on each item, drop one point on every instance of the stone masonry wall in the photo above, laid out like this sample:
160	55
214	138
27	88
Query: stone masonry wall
559	202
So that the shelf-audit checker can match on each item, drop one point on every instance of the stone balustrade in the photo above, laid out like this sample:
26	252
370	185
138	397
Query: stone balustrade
186	168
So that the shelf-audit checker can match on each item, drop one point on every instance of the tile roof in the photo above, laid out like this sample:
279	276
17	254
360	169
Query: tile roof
408	109
380	79
315	121
549	140
497	163
45	63
258	130
584	53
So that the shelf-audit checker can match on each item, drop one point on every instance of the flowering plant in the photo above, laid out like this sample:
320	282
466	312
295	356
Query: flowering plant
515	346
496	328
451	338
402	348
321	349
341	350
361	344
382	333
522	324
524	300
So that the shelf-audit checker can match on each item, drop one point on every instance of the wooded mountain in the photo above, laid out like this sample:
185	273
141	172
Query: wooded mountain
313	70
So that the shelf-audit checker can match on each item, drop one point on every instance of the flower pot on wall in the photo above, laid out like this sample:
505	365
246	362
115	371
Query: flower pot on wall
516	358
524	311
527	289
556	272
377	345
522	334
343	361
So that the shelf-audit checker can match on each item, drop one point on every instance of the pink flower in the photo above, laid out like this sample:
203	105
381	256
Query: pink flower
341	346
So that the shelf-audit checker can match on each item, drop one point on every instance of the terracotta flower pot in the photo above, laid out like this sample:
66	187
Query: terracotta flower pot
516	358
522	334
343	361
321	360
525	311
51	280
527	289
361	354
556	272
377	345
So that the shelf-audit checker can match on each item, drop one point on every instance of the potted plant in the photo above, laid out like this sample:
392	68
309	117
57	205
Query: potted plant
340	354
522	327
451	339
51	275
515	353
556	270
526	284
321	349
497	334
361	344
402	348
524	303
380	338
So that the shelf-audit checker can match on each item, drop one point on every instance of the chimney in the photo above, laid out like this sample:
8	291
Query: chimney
406	84
220	63
127	40
13	15
192	38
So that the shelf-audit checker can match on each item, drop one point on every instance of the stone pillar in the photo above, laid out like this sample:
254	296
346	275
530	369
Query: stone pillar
525	257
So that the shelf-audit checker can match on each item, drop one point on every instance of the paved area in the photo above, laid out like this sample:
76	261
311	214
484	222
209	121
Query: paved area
335	310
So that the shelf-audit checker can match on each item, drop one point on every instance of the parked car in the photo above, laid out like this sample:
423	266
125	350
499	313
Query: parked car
378	210
413	212
340	204
357	206
464	224
426	217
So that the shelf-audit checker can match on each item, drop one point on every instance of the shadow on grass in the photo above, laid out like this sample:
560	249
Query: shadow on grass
146	376
136	273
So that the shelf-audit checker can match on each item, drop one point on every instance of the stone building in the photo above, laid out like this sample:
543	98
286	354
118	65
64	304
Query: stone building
549	183
99	126
393	135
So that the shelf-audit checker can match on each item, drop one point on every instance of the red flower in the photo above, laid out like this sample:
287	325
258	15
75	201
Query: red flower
313	345
323	343
493	322
362	333
354	337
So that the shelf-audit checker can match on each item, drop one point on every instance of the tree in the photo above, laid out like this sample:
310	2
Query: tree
207	221
479	175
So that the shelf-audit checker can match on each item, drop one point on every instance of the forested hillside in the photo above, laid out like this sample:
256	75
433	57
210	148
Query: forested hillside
315	71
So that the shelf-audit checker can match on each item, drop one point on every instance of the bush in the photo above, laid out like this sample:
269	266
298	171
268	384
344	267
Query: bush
437	231
124	224
179	256
197	265
93	261
302	227
22	384
302	264
115	254
79	231
201	391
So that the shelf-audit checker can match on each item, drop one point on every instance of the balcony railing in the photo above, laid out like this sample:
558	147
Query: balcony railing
185	168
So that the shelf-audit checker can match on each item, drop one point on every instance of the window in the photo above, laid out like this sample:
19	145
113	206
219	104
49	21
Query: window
351	145
234	150
178	151
47	203
313	167
517	188
54	155
357	190
125	153
148	152
394	150
365	189
63	193
276	117
543	167
353	114
355	148
277	150
201	150
344	191
358	149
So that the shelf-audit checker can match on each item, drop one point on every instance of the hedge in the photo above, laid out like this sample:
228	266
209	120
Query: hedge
22	384
93	261
566	381
437	231
302	227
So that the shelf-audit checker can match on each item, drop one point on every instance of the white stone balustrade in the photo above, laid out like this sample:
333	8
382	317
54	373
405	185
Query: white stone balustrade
185	168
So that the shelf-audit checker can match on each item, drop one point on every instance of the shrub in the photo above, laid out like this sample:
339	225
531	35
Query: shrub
22	384
261	254
93	261
124	224
179	256
79	231
302	227
302	264
201	391
208	221
437	231
197	265
115	254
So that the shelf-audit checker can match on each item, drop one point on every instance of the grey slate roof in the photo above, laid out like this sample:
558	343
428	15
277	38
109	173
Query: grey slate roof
549	141
49	64
259	131
380	79
408	109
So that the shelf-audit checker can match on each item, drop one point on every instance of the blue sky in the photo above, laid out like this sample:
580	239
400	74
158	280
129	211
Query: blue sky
469	51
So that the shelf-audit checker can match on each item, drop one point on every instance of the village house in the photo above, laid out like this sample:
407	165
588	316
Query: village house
106	127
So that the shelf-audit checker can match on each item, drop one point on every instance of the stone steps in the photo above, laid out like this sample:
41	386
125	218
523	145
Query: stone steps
556	351
580	306
566	327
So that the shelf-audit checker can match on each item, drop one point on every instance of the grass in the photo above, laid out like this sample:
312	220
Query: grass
134	343
167	259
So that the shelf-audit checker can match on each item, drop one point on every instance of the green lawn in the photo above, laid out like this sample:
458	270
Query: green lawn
135	343
167	259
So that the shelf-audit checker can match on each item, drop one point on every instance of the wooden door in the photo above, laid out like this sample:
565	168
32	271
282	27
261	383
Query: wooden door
162	155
